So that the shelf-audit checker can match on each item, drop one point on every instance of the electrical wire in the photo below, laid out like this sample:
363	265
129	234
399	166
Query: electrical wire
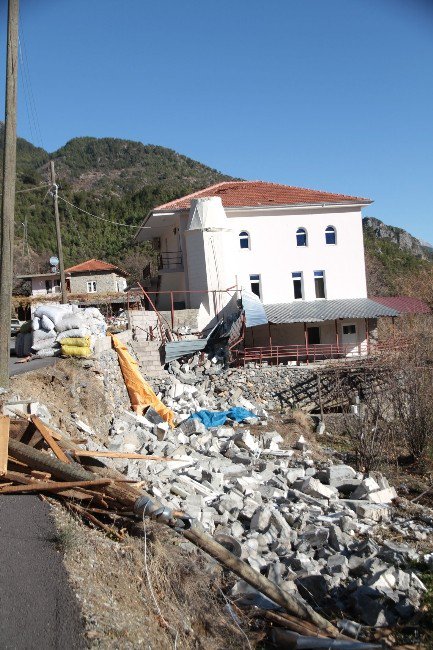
27	80
31	189
95	216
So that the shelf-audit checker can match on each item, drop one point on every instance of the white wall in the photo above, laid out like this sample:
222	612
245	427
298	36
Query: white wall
293	334
274	254
39	286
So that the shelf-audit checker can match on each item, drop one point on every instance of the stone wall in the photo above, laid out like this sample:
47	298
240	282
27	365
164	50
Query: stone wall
105	282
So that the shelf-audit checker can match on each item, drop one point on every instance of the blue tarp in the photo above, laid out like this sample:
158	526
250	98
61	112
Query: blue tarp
218	418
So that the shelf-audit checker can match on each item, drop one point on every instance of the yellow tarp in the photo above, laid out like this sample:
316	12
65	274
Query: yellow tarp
76	351
80	342
140	393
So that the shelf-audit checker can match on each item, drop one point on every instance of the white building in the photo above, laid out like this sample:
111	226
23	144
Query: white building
299	251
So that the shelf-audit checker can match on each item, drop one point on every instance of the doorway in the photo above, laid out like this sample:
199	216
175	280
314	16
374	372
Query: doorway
350	338
313	335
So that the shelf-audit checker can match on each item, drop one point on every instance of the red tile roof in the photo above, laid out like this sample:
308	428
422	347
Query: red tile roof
95	265
403	304
236	194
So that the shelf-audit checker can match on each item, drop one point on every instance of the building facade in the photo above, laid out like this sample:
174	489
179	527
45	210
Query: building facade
298	252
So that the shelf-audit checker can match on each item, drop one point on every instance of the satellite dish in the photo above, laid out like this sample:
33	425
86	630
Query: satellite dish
54	261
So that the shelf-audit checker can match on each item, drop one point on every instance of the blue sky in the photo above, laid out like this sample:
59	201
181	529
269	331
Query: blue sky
327	94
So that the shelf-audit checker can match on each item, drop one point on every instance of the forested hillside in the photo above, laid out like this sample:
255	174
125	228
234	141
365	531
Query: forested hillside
121	180
118	180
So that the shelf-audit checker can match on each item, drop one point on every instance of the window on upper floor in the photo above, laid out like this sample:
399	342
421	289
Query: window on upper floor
301	237
244	239
255	284
91	287
330	235
298	290
319	283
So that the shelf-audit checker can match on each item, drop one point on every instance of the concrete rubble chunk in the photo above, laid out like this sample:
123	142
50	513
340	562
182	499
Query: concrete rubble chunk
383	496
315	488
373	511
301	444
261	519
367	486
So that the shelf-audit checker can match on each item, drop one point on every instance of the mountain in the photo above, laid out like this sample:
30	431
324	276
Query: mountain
394	259
118	180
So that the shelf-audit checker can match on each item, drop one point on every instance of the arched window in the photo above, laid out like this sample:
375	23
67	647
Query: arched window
330	235
244	239
301	237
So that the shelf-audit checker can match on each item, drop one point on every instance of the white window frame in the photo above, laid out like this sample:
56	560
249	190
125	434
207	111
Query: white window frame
298	276
257	281
244	235
91	286
301	231
331	229
320	277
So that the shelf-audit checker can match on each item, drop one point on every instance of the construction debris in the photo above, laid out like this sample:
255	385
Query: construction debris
309	537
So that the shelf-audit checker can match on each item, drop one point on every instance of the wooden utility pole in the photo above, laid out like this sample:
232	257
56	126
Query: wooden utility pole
58	233
8	200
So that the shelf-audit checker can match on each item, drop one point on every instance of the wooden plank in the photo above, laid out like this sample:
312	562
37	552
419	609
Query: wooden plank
47	434
51	486
118	454
4	442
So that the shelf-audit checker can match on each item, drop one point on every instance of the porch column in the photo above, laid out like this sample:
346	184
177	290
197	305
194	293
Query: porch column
270	334
306	339
367	336
336	336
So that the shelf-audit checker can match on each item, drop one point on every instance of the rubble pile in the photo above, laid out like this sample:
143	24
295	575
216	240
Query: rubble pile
312	528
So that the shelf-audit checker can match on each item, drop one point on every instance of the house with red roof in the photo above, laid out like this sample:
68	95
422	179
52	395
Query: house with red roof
294	257
90	277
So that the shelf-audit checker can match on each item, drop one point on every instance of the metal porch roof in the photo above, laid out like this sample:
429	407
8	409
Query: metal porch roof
316	311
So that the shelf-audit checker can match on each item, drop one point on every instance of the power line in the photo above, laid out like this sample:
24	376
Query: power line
95	216
32	189
28	81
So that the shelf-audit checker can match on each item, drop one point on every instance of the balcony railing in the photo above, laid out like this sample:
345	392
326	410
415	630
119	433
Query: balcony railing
275	354
170	261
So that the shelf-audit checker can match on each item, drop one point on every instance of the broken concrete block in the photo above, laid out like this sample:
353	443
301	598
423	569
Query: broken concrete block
368	485
315	488
245	440
301	444
373	511
383	496
191	426
261	519
294	474
337	473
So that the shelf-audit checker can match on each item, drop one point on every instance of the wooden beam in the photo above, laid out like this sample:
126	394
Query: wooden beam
119	454
47	434
4	442
52	486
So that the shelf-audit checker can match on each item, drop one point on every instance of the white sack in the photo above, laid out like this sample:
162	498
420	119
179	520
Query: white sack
48	352
40	335
54	312
74	334
35	323
46	323
69	322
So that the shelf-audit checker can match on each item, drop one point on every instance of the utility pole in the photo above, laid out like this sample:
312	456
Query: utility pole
8	200
58	233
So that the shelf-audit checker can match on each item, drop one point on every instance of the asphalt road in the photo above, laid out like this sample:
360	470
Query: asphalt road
37	607
19	368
